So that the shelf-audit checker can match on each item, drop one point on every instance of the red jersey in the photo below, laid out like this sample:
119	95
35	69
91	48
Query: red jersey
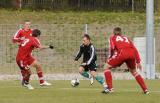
120	42
26	47
21	34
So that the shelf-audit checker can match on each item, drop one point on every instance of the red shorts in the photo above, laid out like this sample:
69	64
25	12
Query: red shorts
124	56
25	63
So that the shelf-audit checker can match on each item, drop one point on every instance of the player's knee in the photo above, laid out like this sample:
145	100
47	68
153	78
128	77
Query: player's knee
35	64
107	70
107	66
38	67
132	71
81	70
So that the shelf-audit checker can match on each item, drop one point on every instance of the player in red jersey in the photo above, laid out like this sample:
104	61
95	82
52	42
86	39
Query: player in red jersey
122	50
25	59
22	33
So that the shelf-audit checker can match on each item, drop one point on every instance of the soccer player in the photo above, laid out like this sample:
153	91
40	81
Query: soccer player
22	33
25	59
122	50
89	60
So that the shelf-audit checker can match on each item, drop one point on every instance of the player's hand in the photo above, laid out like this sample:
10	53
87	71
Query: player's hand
76	61
51	46
83	64
22	38
139	66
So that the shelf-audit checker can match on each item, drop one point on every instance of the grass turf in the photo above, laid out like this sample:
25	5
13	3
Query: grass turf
126	91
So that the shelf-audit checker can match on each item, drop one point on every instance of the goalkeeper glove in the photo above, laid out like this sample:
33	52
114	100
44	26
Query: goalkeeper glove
51	46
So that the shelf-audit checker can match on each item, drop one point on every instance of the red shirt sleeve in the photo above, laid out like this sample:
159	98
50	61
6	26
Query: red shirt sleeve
17	36
138	60
111	46
36	43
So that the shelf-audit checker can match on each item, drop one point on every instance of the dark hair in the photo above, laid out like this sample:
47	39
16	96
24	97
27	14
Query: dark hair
117	30
86	36
36	33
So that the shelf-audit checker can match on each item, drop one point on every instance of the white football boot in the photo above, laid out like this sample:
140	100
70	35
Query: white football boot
146	92
45	83
28	86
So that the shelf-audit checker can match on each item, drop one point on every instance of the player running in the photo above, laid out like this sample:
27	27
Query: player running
122	51
89	60
25	59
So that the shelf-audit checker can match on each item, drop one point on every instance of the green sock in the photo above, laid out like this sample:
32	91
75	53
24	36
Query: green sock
100	79
85	74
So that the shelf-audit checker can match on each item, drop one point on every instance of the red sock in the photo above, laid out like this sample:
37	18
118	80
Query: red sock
108	78
140	81
23	74
40	75
26	76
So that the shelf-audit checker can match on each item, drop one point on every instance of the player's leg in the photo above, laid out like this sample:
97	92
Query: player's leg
93	68
108	76
111	63
25	71
83	72
26	76
132	67
140	81
38	67
39	71
99	79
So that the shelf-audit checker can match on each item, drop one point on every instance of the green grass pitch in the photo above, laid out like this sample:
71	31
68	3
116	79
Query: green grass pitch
125	91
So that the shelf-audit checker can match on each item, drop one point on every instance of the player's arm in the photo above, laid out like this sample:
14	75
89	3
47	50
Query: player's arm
45	47
111	47
16	38
37	45
136	53
42	47
137	56
93	53
79	53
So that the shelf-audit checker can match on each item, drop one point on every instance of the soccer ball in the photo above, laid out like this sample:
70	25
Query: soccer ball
75	82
